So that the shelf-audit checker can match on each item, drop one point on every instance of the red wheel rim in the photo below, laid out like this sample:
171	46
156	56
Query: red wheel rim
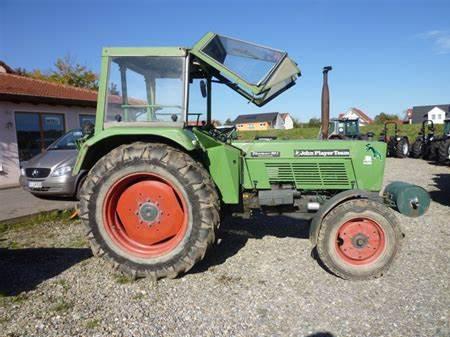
360	241
145	215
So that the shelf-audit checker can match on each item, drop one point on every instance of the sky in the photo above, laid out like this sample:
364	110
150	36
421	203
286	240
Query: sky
387	56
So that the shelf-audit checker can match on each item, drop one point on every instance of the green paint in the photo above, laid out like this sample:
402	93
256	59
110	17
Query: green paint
223	162
239	165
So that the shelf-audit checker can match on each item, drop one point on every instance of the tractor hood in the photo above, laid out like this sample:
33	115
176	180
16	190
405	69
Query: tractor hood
258	73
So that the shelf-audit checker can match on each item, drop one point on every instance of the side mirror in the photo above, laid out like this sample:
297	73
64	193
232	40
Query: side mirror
203	88
87	128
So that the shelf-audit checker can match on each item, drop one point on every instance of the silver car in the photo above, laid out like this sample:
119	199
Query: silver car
50	173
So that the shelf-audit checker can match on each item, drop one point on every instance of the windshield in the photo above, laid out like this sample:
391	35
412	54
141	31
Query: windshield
146	89
251	62
67	142
352	128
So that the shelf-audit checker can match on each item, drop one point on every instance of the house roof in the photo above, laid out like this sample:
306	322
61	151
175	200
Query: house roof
18	88
360	114
256	118
284	115
420	112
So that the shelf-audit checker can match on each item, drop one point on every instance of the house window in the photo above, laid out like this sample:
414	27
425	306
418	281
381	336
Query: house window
36	131
439	116
86	119
251	126
261	124
433	116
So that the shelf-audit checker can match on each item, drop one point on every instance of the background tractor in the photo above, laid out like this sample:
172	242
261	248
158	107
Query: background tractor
421	148
345	128
157	189
442	144
397	146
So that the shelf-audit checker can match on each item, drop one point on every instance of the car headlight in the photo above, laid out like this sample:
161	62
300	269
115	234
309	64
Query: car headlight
22	172
60	171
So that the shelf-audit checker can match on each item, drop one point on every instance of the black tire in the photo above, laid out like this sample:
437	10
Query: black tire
444	151
185	174
402	148
432	153
391	149
79	186
328	242
417	149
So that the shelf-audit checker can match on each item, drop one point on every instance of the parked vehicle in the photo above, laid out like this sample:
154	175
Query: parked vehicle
157	189
50	173
345	128
444	144
421	147
397	146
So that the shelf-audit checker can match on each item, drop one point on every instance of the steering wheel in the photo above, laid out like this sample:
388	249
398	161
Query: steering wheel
222	134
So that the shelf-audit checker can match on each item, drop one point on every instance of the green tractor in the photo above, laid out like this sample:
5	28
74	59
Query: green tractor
343	128
157	188
397	146
421	148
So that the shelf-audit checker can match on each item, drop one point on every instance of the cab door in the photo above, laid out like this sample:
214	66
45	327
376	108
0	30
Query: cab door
258	73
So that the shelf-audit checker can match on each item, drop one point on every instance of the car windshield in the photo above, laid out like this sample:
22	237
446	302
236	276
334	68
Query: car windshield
67	142
251	62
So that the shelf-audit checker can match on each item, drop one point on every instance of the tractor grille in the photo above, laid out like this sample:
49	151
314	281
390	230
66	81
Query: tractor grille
309	175
37	172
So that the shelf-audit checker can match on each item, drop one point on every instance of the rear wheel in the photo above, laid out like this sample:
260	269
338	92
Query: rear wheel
150	209
416	150
402	148
359	239
433	149
444	151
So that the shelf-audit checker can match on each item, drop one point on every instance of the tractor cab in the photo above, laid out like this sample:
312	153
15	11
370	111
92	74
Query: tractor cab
343	129
447	127
148	87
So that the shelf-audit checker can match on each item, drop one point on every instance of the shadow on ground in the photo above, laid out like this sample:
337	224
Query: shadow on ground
235	232
442	183
24	269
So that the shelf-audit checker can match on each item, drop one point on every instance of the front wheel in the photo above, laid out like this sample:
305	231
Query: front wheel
444	151
402	148
417	149
359	239
150	209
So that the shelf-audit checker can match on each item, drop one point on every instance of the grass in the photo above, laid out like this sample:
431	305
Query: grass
123	279
35	220
92	323
63	284
306	132
62	306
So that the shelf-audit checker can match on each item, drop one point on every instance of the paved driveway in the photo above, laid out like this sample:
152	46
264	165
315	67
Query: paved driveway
15	203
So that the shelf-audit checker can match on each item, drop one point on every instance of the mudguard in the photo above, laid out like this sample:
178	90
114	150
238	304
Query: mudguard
333	202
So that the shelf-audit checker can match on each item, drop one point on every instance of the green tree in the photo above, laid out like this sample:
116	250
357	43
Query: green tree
384	117
314	122
65	71
228	122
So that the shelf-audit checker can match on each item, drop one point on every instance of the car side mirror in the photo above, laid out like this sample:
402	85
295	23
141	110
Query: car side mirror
203	89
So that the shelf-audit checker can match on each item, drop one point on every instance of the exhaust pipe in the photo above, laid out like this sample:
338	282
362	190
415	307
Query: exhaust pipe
325	118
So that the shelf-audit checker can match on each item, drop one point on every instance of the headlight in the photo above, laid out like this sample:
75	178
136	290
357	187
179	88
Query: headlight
60	171
22	172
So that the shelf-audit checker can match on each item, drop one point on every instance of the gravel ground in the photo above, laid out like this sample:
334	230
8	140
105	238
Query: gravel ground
259	281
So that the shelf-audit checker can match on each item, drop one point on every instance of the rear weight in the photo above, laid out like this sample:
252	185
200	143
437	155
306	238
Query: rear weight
410	200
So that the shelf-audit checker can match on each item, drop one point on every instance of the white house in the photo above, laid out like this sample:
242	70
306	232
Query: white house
436	113
286	121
